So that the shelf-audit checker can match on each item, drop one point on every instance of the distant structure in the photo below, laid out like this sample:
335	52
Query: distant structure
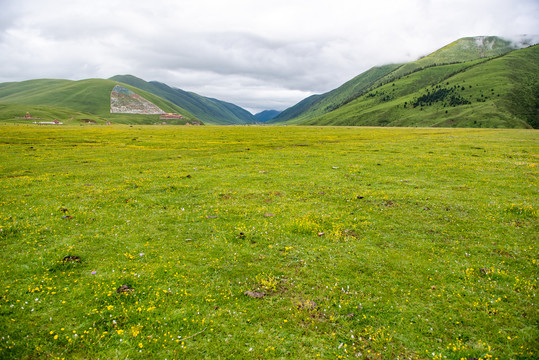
125	101
28	117
55	122
170	116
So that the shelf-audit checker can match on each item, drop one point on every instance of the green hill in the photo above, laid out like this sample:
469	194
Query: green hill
459	51
68	100
211	111
497	92
15	113
316	105
473	82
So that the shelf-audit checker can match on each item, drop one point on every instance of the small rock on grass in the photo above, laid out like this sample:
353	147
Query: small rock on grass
308	305
124	289
254	294
71	258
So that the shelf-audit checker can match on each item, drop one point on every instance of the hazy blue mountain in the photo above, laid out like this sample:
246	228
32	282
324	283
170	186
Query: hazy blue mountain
266	115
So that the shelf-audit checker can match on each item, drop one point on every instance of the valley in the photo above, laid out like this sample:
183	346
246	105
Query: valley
486	82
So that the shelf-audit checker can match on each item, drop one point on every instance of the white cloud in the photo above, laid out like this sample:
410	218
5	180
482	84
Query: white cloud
255	54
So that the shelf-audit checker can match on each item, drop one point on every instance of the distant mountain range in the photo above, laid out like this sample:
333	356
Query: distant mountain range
473	82
266	115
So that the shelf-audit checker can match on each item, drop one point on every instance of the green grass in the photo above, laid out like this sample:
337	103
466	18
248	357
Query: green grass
428	251
14	114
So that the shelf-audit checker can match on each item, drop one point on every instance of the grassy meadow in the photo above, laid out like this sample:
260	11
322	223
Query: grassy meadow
268	242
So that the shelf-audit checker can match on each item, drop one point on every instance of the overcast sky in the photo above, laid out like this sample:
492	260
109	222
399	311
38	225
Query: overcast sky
256	54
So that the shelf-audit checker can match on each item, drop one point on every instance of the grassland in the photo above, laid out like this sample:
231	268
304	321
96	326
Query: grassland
366	242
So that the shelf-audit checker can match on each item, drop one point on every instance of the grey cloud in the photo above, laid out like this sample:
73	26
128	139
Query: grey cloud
236	54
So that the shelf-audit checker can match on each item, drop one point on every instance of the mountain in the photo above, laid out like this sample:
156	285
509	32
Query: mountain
80	100
472	82
266	115
459	51
316	105
211	111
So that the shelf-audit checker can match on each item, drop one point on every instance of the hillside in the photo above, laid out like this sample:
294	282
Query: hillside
367	99
496	92
459	51
316	105
266	115
24	114
211	111
83	99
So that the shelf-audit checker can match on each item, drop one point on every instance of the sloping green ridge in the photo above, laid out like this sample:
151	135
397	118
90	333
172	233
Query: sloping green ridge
316	105
211	111
459	51
89	97
466	50
502	92
408	85
294	112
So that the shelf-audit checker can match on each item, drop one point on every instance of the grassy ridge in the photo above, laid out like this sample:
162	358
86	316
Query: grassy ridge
459	51
317	105
502	92
367	99
91	96
369	243
211	111
387	95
